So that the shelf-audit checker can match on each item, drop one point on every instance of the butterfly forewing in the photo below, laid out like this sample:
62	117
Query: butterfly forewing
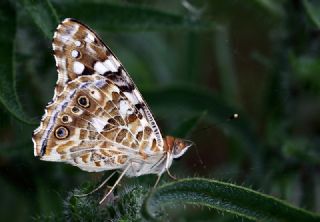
97	119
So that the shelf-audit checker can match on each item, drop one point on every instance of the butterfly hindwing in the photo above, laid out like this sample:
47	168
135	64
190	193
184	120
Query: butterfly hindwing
94	126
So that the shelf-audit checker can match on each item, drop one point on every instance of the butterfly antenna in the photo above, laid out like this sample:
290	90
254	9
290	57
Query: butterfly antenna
198	154
232	117
96	189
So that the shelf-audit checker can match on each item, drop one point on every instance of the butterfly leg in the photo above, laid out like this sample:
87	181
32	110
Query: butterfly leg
167	167
101	185
157	181
159	177
170	175
115	184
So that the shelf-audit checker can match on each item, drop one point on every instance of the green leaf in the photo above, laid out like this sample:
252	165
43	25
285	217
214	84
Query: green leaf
8	94
43	14
125	206
225	64
274	7
226	198
112	17
312	9
301	149
306	69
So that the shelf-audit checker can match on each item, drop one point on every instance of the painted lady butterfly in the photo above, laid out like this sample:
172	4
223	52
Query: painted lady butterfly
97	119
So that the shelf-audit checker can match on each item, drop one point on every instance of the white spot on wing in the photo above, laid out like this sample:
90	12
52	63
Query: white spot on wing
78	67
140	128
98	124
35	150
55	47
66	20
77	43
100	68
131	97
63	63
55	58
110	66
138	95
114	61
95	94
124	106
74	53
63	38
89	38
38	129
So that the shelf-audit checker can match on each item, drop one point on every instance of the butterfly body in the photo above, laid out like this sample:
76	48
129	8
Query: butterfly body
98	119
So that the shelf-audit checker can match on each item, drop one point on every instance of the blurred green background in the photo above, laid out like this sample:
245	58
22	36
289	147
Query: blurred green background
196	63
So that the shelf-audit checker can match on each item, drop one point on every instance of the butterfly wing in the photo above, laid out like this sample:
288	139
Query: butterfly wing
93	125
97	119
79	51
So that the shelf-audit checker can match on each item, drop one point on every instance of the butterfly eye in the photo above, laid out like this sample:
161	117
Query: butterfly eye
61	132
66	119
83	101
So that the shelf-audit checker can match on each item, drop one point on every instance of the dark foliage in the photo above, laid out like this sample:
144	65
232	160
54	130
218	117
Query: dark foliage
196	63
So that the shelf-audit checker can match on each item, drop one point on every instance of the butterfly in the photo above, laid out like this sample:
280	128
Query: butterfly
97	119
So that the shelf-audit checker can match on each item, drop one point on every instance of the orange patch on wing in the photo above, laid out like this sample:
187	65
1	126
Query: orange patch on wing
154	146
105	153
61	149
122	159
143	154
85	157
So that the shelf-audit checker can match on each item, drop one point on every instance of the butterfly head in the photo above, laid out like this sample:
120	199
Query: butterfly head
176	146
